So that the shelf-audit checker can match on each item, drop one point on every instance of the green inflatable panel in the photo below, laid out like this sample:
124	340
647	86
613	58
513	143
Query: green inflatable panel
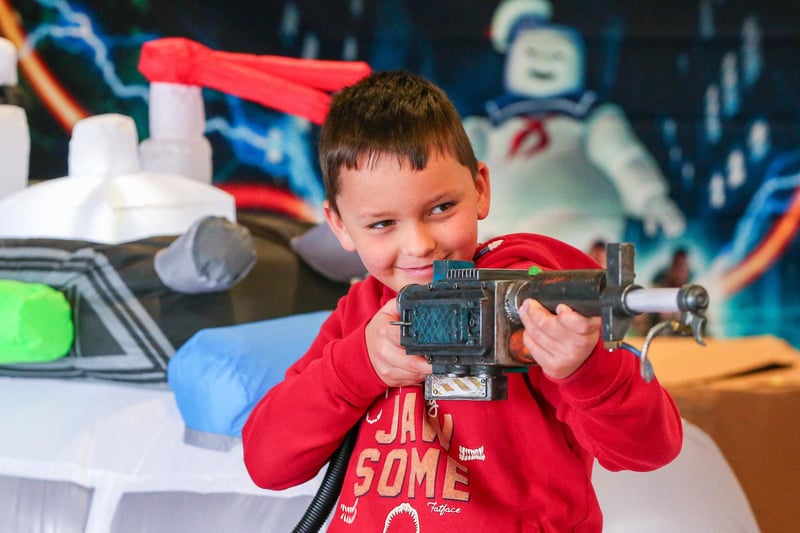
35	323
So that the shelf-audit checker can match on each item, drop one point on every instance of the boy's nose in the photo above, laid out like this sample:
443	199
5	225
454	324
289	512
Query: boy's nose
419	241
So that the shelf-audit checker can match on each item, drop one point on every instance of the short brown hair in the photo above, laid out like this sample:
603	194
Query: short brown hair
390	112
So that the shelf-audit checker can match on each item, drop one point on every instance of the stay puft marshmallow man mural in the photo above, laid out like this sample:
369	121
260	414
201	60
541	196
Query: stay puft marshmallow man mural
563	164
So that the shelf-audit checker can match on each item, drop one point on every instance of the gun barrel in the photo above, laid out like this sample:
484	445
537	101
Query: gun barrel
580	289
693	298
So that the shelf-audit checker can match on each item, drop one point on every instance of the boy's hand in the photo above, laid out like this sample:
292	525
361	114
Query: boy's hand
388	357
559	342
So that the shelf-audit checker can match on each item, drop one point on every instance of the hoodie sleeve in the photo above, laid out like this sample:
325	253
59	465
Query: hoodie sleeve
292	432
611	411
623	421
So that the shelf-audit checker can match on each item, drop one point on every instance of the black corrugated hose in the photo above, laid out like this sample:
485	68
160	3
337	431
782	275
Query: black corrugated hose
325	498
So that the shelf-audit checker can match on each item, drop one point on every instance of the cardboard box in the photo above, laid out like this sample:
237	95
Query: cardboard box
745	393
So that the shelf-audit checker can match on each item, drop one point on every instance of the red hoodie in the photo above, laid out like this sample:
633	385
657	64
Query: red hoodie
521	464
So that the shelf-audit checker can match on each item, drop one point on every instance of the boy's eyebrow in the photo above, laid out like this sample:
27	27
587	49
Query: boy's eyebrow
384	214
446	196
373	215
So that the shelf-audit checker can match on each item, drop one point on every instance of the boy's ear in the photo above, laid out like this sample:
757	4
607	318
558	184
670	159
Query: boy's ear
337	227
483	189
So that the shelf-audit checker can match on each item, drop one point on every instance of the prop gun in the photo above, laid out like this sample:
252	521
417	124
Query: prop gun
466	322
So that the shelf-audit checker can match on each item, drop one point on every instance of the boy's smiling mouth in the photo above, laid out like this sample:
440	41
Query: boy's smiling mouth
422	271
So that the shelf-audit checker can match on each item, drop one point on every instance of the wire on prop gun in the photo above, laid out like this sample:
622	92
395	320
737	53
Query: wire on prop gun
466	322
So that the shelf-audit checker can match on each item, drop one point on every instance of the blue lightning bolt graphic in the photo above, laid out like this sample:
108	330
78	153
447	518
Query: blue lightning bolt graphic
771	199
78	32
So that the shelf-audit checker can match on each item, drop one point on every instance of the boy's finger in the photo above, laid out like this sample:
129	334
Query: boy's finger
420	365
576	321
390	308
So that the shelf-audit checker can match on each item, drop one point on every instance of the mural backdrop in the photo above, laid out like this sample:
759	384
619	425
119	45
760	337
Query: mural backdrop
675	126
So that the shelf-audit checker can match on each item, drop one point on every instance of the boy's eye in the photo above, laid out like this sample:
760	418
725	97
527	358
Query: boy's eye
441	208
382	224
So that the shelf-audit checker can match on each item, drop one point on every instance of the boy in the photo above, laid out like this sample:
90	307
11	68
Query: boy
404	189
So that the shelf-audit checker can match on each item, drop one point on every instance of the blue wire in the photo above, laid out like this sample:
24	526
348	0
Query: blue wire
635	351
632	348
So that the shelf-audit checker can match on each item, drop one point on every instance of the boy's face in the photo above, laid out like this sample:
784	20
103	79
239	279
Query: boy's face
400	220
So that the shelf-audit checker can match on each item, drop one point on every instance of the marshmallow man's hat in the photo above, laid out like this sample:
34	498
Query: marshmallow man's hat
512	16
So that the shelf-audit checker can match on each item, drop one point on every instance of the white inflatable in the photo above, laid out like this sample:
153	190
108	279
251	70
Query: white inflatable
106	197
696	493
15	137
177	142
99	457
8	63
